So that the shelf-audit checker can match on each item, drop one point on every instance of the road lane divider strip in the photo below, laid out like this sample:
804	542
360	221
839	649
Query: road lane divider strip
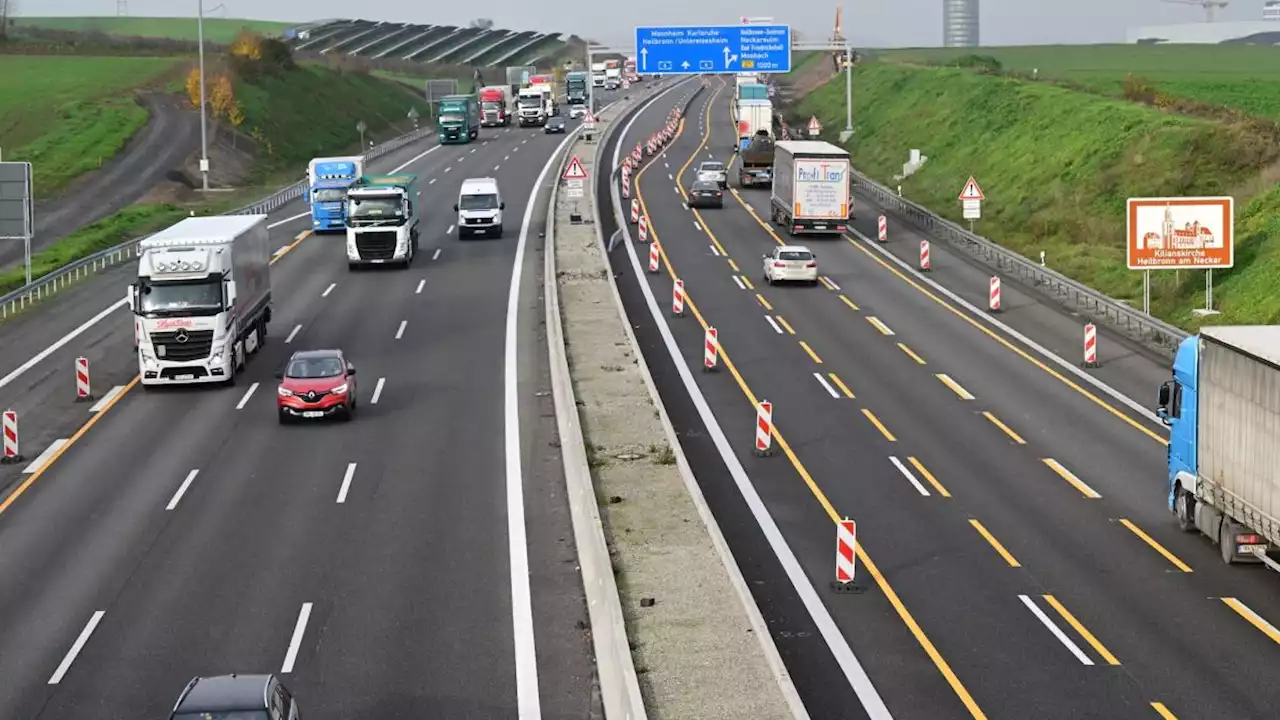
840	384
182	490
911	353
812	355
738	281
1253	618
1005	428
878	324
924	472
1071	478
1082	630
347	477
106	399
826	385
43	458
1057	632
1163	711
879	425
773	324
907	474
76	647
852	306
786	325
954	386
1173	559
994	543
295	642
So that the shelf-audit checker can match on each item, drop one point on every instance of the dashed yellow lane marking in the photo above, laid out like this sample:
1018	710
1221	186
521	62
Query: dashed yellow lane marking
991	539
1084	632
1007	430
840	384
920	468
911	353
879	425
809	350
1155	545
785	325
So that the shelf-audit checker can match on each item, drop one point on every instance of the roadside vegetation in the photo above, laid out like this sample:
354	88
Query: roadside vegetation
217	30
1057	158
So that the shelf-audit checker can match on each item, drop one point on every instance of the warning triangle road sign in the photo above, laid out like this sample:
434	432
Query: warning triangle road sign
575	171
588	118
971	190
814	125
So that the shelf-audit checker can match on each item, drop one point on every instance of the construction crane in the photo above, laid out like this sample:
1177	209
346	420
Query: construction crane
837	36
1208	5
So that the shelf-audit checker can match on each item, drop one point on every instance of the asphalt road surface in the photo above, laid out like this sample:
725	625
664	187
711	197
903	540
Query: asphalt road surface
1017	558
379	565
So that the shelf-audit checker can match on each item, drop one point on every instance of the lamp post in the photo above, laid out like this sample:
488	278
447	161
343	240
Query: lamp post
204	132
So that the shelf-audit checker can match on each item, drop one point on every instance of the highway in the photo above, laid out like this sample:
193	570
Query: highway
417	562
1016	558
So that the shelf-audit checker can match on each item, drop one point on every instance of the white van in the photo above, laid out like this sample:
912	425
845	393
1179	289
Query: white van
479	208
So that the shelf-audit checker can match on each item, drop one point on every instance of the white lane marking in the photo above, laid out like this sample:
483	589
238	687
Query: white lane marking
675	189
698	227
739	281
515	149
449	231
289	219
434	256
377	391
463	158
825	623
506	158
907	474
423	282
106	399
79	644
300	629
432	181
472	150
773	324
447	169
879	324
671	177
328	289
1057	632
484	142
292	334
182	490
685	205
346	482
43	457
833	284
826	386
956	387
247	394
496	167
714	251
524	141
415	159
400	330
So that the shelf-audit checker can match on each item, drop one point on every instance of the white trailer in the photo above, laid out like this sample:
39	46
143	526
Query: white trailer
811	187
202	299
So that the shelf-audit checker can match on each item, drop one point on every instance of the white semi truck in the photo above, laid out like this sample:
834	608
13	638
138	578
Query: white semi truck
535	104
811	187
382	220
202	299
598	74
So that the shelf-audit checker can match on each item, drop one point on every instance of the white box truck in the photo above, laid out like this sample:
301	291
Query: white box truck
598	74
202	299
812	193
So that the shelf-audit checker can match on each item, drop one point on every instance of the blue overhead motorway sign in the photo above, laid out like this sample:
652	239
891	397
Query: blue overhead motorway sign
713	49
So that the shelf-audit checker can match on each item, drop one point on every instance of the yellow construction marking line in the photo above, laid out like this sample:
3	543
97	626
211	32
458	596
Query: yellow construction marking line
955	386
1008	557
840	384
809	350
734	265
920	468
827	283
1076	483
881	582
1155	545
909	351
1007	344
1084	632
1164	711
879	425
875	321
764	302
1254	619
1007	430
848	302
785	325
747	281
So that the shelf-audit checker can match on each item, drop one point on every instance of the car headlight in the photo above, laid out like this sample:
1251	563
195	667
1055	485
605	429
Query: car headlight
340	389
284	391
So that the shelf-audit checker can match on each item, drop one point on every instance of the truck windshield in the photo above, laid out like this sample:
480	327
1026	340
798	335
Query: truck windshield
491	105
375	210
528	102
451	120
478	202
329	195
195	297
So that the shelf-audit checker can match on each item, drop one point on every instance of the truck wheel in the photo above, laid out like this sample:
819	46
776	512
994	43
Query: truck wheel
1225	544
1182	509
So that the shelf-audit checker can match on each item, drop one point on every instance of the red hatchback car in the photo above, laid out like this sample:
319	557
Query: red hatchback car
316	384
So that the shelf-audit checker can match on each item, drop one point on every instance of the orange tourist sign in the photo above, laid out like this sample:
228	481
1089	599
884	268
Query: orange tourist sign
1191	233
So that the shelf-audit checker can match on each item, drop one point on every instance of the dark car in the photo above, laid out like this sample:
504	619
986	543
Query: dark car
235	697
706	194
316	384
555	124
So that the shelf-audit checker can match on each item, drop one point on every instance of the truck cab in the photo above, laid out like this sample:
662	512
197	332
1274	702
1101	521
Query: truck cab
459	119
495	110
382	220
597	74
328	179
479	208
576	92
532	105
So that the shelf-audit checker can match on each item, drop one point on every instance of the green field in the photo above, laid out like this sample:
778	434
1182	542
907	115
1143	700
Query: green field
1239	76
1057	165
68	114
218	30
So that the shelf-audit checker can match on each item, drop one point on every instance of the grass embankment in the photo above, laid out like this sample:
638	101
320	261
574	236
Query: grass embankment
67	115
217	30
1057	166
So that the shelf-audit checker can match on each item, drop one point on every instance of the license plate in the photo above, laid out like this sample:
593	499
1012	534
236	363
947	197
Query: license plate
312	414
184	377
819	227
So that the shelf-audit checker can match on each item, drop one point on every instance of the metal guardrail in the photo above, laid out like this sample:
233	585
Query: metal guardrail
53	282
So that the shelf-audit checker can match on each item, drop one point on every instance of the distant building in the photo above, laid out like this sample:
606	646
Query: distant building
960	23
1271	10
1253	32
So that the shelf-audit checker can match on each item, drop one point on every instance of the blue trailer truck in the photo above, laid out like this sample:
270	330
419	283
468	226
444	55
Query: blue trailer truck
328	180
459	119
1222	407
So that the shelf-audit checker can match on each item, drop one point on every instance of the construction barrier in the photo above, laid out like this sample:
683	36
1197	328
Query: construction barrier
764	428
846	555
677	299
644	228
635	210
993	297
882	229
925	264
710	350
1090	346
83	390
654	251
9	426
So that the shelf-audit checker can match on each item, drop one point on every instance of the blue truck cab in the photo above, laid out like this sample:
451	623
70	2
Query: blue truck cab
328	180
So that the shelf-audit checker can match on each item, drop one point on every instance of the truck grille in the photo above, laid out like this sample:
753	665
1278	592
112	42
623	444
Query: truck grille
376	245
170	347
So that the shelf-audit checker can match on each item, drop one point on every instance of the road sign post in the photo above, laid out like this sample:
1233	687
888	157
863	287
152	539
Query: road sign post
574	178
717	49
971	198
814	127
17	204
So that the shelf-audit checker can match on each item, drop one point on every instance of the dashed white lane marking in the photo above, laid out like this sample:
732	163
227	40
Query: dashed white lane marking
107	399
346	482
699	229
295	642
826	386
292	334
907	474
247	394
739	281
506	158
400	330
449	231
43	457
773	324
1057	632
328	289
434	256
182	490
423	282
472	150
377	391
495	167
432	181
79	644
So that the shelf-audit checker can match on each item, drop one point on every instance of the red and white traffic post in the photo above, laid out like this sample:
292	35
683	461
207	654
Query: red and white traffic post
635	210
10	430
925	264
83	390
654	252
644	228
993	301
1090	346
764	429
846	552
882	229
710	350
635	154
626	182
677	299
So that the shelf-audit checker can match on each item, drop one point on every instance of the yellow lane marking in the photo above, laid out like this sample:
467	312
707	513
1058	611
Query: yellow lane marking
1008	557
881	582
1164	711
848	302
1007	430
827	283
1009	345
910	352
1155	545
809	350
879	425
840	384
884	329
747	281
1084	632
734	265
1070	477
764	302
785	325
920	468
1254	619
955	386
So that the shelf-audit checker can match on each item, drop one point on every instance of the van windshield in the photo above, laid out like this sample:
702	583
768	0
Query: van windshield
478	202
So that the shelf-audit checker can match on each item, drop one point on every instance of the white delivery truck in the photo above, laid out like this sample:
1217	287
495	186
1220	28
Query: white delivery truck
534	105
202	299
613	78
812	192
382	220
598	74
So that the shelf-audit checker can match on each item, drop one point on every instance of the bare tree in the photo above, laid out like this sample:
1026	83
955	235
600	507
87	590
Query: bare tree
8	9
482	23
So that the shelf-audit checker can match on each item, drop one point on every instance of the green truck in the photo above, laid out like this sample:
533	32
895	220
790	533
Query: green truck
458	120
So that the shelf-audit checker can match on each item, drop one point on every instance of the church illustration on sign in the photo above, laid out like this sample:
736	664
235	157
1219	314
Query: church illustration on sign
1191	236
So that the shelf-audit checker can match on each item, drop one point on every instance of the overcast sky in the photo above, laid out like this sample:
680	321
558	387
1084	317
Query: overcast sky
875	23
